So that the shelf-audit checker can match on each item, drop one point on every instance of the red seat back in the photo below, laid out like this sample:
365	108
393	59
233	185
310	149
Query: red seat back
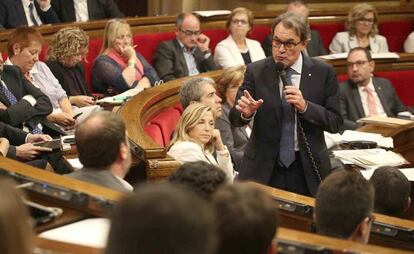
167	121
328	31
155	133
396	32
403	84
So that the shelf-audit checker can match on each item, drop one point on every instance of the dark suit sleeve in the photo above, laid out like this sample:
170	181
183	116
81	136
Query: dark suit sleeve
343	107
267	45
14	135
207	64
49	16
112	10
3	15
224	126
326	116
164	62
149	71
397	105
23	110
320	49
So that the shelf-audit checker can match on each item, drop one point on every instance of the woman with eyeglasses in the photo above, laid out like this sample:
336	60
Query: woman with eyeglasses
119	67
236	49
362	31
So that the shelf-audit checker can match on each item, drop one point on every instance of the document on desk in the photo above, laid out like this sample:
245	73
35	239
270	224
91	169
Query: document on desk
387	55
370	158
349	136
386	120
120	98
89	232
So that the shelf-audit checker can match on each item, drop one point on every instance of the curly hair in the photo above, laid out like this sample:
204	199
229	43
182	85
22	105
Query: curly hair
358	12
66	43
231	76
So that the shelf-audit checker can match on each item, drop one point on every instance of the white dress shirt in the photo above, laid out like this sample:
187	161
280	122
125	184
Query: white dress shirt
364	100
26	4
81	10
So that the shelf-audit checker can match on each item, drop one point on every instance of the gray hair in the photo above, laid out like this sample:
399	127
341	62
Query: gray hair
295	22
179	19
191	90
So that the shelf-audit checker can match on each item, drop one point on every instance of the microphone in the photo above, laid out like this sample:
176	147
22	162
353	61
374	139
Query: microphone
280	67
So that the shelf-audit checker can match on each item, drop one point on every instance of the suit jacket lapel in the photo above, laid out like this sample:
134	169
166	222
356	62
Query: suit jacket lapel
272	83
180	55
6	81
92	8
305	87
357	99
380	93
20	10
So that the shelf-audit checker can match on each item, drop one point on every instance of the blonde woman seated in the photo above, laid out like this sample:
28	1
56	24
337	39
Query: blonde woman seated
362	31
119	67
195	139
236	49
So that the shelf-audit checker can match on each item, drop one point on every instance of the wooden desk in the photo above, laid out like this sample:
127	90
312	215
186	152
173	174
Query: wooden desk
64	248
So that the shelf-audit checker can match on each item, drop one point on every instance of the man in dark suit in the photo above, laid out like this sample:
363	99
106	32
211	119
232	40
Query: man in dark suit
103	150
287	150
81	11
364	95
188	54
15	13
315	45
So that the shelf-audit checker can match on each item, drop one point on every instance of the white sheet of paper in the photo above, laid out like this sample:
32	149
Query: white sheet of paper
89	232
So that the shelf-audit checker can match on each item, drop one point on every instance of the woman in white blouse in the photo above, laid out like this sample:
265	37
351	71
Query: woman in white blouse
362	31
195	139
236	49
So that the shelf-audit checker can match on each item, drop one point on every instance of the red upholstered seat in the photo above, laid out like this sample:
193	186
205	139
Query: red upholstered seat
216	35
396	32
328	31
148	43
403	84
155	133
167	121
341	78
93	52
179	107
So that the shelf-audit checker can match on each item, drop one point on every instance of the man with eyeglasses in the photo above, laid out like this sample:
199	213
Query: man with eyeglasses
344	205
362	94
287	149
187	55
315	45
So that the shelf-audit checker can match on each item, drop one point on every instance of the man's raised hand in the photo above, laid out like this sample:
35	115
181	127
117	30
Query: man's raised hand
247	105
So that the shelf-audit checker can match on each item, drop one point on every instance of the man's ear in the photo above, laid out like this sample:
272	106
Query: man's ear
123	151
372	65
177	30
361	233
408	204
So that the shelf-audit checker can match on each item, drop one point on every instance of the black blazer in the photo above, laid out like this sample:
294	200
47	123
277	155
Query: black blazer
23	111
169	61
351	104
314	47
12	14
97	9
319	87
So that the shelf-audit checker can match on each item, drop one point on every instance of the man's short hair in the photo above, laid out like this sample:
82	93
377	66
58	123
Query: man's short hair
99	138
295	22
199	176
365	50
392	191
191	90
179	19
162	218
344	199
247	219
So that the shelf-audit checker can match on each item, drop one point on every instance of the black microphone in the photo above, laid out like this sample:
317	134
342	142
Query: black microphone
280	67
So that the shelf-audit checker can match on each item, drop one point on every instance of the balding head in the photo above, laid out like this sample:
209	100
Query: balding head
99	138
298	7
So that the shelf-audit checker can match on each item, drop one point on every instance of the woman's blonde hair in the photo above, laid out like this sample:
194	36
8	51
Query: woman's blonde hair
66	43
16	236
358	12
230	76
189	119
111	32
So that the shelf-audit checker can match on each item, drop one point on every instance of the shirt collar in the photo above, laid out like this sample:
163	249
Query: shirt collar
297	65
27	2
184	48
34	69
370	85
125	183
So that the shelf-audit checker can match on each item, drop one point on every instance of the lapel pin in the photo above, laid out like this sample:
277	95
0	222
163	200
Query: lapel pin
310	74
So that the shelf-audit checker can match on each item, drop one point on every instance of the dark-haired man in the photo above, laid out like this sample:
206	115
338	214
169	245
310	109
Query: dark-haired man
189	54
364	95
392	191
344	205
103	149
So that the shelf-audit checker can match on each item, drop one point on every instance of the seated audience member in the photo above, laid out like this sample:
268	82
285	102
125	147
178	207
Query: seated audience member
67	50
409	43
187	55
362	31
247	220
235	138
24	46
364	95
23	105
16	235
199	176
103	150
196	139
236	49
16	13
202	90
82	11
162	218
119	67
315	44
392	191
343	206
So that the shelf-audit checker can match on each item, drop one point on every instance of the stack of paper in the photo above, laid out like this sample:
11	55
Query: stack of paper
387	55
386	120
349	136
370	158
120	98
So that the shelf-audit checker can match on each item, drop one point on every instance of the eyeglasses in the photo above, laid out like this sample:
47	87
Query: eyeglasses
365	20
358	64
189	32
289	45
239	21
